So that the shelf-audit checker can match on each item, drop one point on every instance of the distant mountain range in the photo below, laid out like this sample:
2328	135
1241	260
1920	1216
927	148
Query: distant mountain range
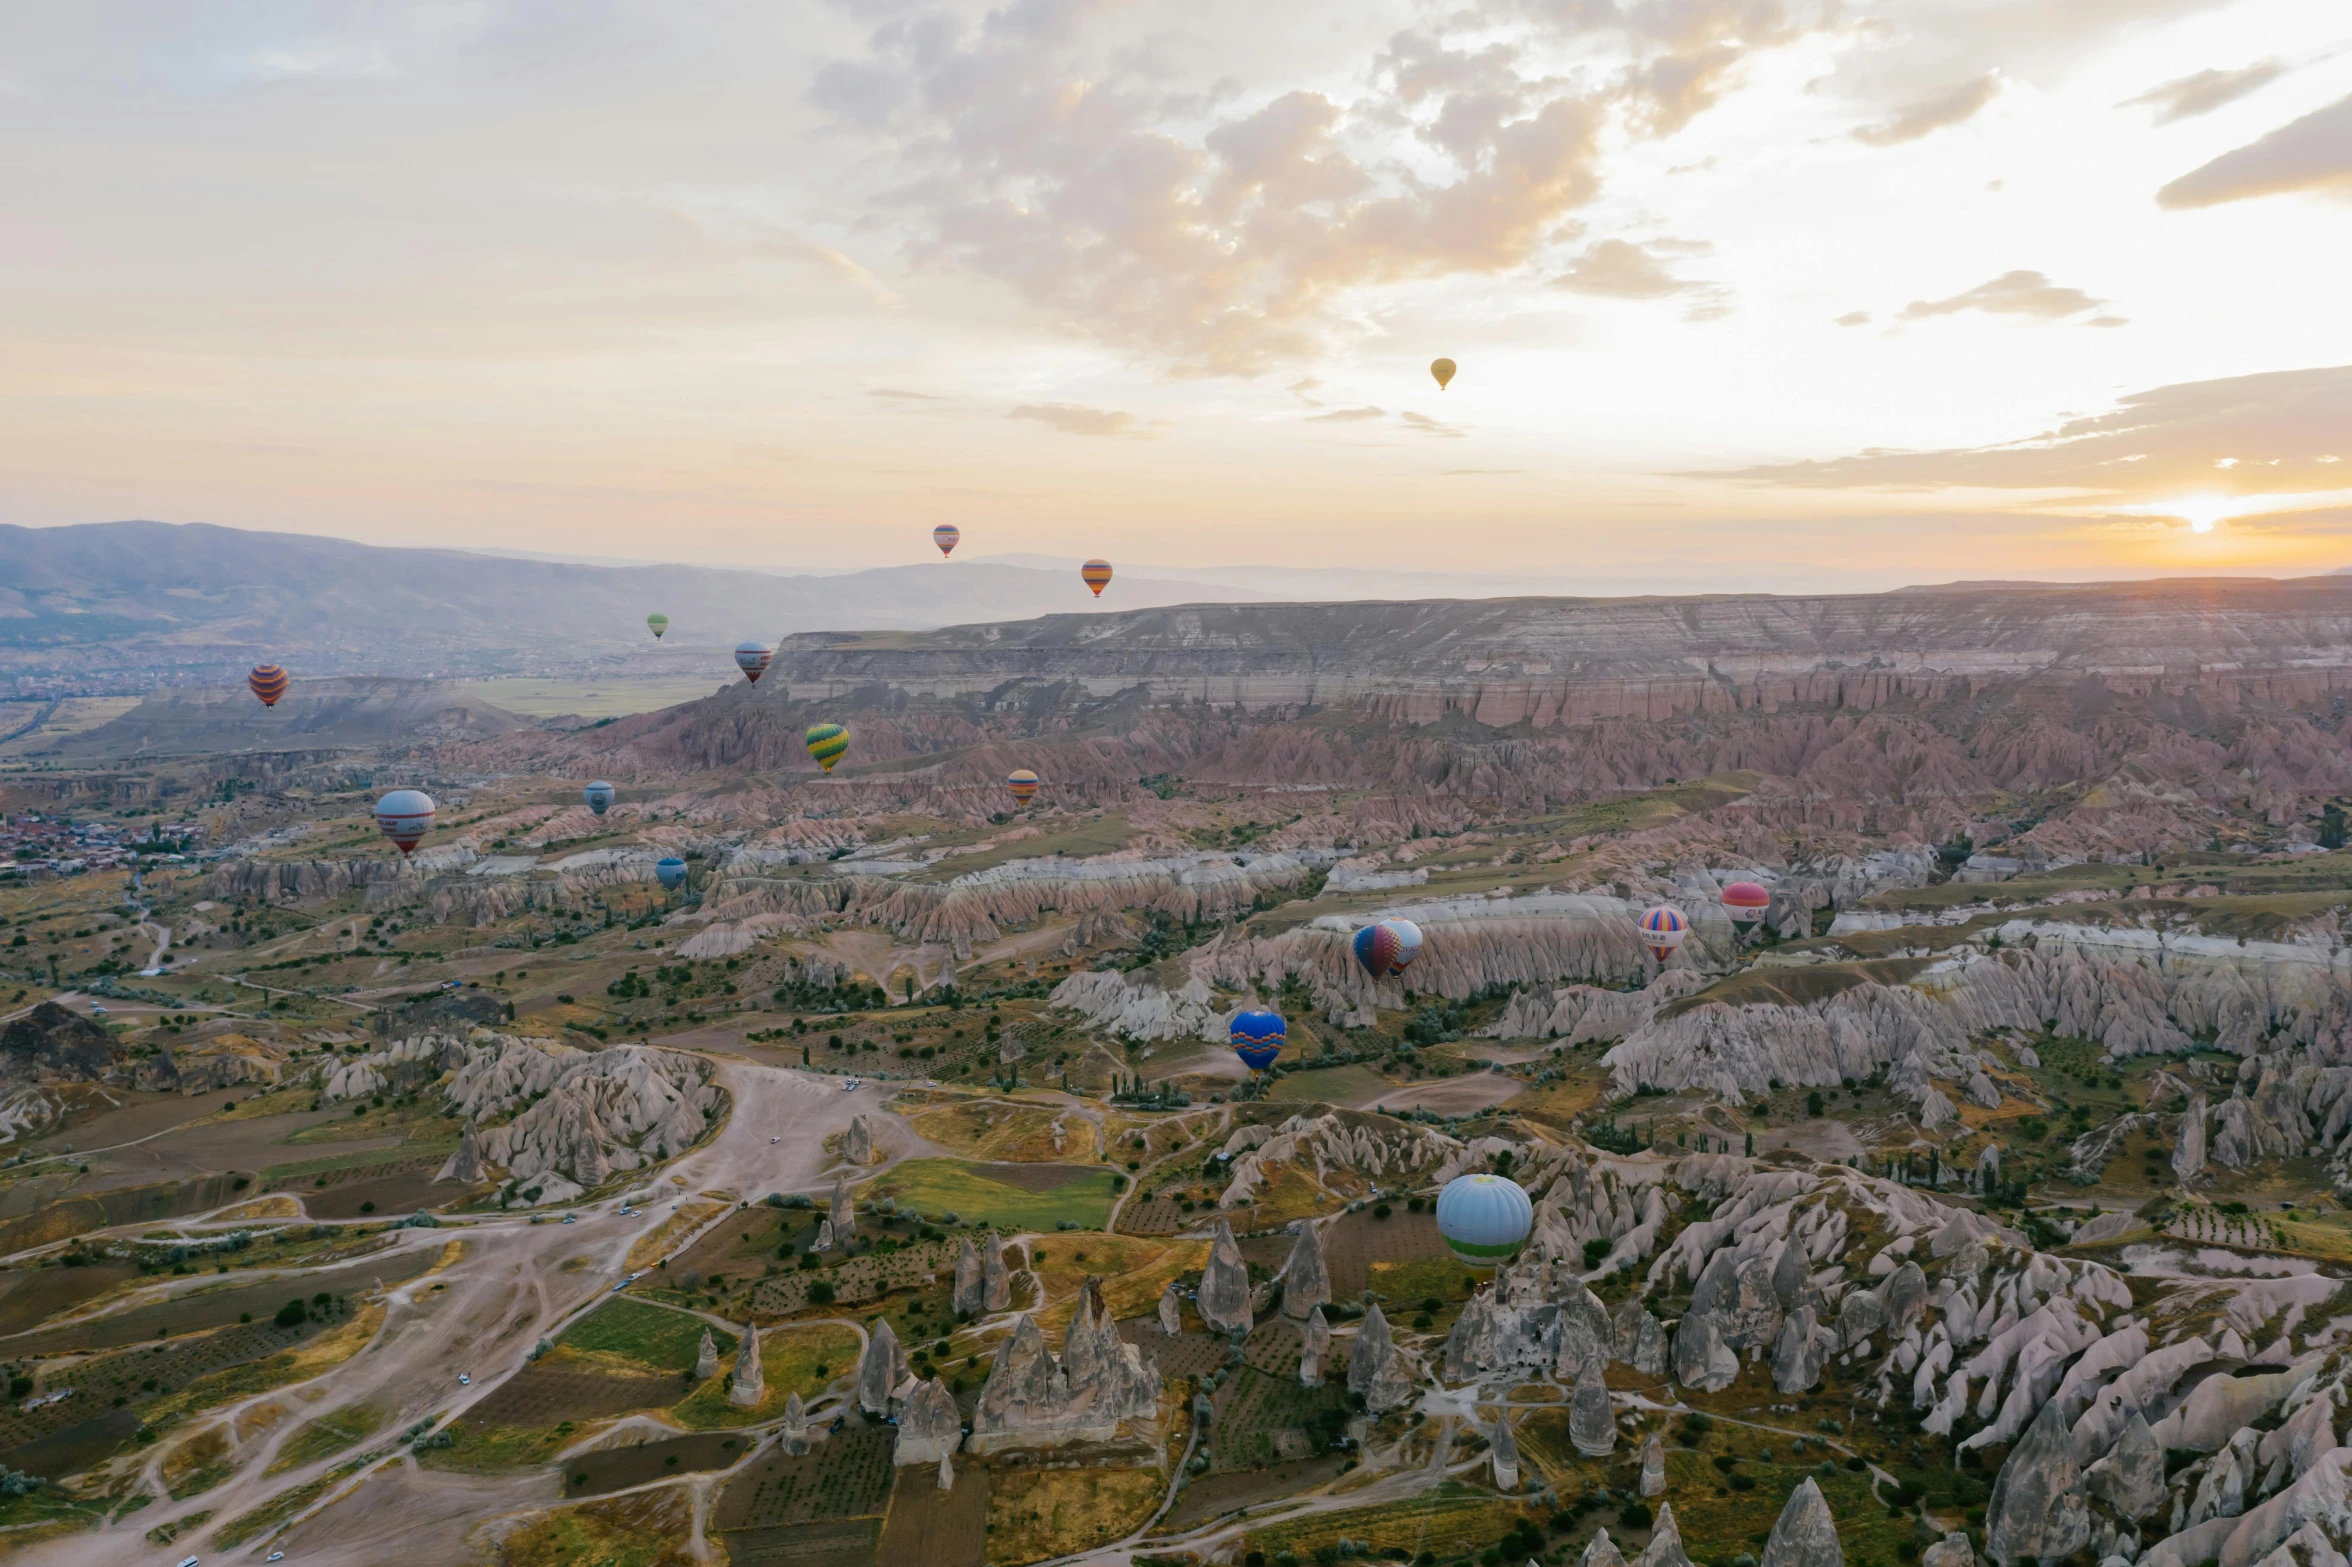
125	606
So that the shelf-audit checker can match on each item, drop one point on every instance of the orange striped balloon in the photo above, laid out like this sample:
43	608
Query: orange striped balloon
268	682
1023	784
1097	575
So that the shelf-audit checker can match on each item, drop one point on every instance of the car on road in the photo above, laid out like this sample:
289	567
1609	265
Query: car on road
188	1561
275	1556
851	1086
775	1139
465	1379
571	1218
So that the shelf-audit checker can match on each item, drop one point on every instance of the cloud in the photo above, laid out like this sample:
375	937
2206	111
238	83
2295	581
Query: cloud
1347	416
1429	426
2155	444
895	395
2186	97
1854	318
1620	269
1932	114
2313	153
825	257
1470	473
1073	419
2012	294
1304	387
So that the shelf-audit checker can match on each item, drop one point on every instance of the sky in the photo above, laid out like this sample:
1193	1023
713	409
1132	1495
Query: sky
1744	294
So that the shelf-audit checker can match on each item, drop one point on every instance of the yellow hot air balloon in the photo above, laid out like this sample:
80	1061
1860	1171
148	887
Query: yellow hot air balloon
827	743
1443	369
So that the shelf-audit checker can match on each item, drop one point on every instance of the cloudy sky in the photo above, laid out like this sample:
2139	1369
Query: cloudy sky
1745	293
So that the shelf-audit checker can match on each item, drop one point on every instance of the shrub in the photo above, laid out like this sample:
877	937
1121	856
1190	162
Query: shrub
292	1314
820	1293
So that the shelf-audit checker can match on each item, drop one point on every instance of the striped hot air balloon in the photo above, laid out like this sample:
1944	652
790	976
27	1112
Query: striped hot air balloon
827	743
945	536
1023	783
658	623
1257	1038
1745	902
600	796
670	871
1377	947
1662	931
752	659
268	682
1097	575
1408	937
405	816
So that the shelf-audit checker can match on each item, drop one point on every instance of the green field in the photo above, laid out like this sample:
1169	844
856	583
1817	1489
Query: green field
938	1186
789	1360
1332	1085
654	1337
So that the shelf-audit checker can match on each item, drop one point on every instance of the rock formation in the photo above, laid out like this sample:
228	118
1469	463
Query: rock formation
52	1045
1033	1400
1950	1551
1601	1551
1665	1547
967	1298
1797	1353
996	1285
1701	1358
2130	1477
1503	1450
843	1213
706	1358
857	1144
749	1386
824	1240
1636	1338
1306	1282
929	1427
2038	1506
1315	1345
1223	1298
466	1163
946	1472
1592	1426
882	1369
1653	1467
2188	1151
1171	1310
795	1437
1805	1535
1376	1367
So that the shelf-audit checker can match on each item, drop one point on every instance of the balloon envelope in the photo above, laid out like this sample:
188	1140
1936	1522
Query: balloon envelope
600	796
1023	783
827	743
268	682
945	536
1662	931
1097	575
1257	1038
405	816
1408	943
670	872
1387	947
1484	1218
1746	902
659	622
1443	369
752	659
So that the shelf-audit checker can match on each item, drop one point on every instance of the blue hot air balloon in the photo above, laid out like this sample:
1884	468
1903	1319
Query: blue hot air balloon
670	871
1484	1219
600	796
1257	1038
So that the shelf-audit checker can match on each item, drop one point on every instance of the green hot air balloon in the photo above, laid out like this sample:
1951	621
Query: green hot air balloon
659	622
827	743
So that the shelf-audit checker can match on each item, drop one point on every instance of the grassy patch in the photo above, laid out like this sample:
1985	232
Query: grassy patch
664	1237
1037	1513
278	1509
643	1529
1333	1085
298	1364
328	1435
641	1337
1454	1521
789	1357
937	1186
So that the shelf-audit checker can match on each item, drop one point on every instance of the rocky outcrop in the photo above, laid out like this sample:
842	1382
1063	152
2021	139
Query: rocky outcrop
2188	1152
996	1284
1306	1280
1637	1339
1314	1347
1951	1551
1327	1143
1503	1452
706	1358
882	1370
1805	1535
2039	1505
965	1297
1665	1547
794	1437
1653	1467
1224	1294
1797	1353
749	1386
1701	1358
1377	1369
2130	1478
1033	1400
1171	1310
1601	1551
929	1426
52	1045
465	1163
1592	1426
857	1144
842	1212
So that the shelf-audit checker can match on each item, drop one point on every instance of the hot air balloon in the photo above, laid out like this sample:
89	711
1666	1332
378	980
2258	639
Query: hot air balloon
1745	902
1387	947
945	536
1408	944
1023	783
752	659
1484	1218
268	682
1257	1038
659	622
1443	369
1662	930
405	816
600	796
827	743
1097	575
670	871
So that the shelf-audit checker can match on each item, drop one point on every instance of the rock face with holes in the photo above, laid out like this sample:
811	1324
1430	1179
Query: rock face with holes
1306	1282
1033	1400
1376	1367
929	1427
1224	1294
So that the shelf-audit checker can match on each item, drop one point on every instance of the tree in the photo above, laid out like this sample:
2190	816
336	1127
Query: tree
2331	827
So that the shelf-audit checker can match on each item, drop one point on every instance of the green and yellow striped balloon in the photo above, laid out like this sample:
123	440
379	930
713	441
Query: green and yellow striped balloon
827	743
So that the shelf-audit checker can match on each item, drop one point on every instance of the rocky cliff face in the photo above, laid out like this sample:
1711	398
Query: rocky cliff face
1032	1400
51	1045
